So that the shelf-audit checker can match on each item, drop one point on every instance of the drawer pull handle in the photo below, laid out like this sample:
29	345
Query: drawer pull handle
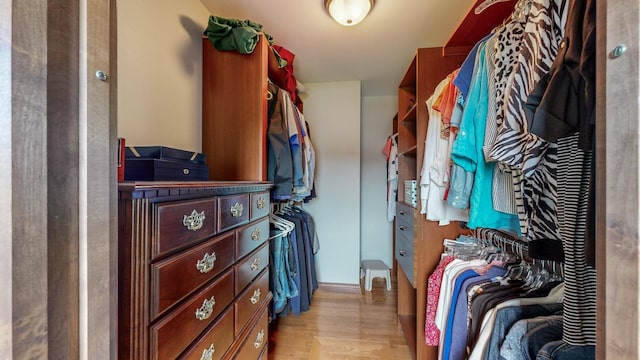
256	297
194	221
255	234
403	253
259	339
402	228
255	265
236	210
207	354
206	263
261	203
402	212
205	311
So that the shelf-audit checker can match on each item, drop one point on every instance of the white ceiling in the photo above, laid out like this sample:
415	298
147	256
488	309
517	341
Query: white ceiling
376	51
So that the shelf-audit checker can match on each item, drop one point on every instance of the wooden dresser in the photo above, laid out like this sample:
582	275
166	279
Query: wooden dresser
193	266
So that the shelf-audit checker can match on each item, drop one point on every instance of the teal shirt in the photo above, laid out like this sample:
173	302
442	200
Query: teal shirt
467	153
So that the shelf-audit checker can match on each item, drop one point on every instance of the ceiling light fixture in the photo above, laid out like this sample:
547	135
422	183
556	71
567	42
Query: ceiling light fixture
348	12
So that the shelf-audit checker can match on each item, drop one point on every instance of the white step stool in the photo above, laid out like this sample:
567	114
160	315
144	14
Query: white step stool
370	269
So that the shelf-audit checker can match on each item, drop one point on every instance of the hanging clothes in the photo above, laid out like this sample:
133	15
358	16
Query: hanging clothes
390	150
293	270
291	156
542	36
434	178
474	281
467	153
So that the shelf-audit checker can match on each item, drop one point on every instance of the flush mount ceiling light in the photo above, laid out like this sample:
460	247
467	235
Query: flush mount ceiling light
348	12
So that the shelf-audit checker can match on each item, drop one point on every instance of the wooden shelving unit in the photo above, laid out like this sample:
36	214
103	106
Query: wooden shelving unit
234	110
426	69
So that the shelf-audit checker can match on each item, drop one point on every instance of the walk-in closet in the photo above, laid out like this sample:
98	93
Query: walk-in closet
330	179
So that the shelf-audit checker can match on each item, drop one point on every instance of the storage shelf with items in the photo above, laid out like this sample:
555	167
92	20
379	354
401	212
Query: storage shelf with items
419	242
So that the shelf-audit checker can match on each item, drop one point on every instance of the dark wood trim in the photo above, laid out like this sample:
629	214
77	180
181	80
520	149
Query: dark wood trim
601	199
113	210
62	177
28	143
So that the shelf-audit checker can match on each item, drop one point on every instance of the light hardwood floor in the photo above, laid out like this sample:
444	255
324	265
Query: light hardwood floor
343	323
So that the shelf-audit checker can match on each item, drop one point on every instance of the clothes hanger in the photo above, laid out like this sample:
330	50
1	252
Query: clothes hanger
285	226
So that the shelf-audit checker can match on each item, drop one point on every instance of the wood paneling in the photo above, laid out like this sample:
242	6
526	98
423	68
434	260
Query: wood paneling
6	220
617	182
63	177
28	143
97	190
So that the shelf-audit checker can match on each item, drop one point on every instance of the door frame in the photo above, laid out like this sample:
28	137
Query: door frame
58	229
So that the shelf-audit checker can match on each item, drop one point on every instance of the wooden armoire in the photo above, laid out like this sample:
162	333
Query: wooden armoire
234	110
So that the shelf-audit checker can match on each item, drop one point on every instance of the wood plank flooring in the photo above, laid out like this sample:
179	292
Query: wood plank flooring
343	323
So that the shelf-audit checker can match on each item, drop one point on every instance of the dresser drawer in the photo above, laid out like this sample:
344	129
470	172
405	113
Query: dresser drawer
251	266
256	340
175	332
251	300
251	236
175	277
404	229
233	210
178	224
216	340
260	205
405	256
404	213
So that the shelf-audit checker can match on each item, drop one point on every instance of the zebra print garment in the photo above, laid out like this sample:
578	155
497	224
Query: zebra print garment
543	32
502	55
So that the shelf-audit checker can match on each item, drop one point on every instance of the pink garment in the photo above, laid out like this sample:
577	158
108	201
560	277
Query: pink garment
386	149
431	331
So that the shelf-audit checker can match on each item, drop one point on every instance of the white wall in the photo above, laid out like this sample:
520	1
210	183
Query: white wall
333	112
376	240
160	72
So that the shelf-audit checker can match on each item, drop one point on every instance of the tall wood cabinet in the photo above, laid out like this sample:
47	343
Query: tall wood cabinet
234	110
418	242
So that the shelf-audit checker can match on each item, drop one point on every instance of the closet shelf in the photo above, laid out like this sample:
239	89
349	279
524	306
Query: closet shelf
409	120
411	152
408	82
480	20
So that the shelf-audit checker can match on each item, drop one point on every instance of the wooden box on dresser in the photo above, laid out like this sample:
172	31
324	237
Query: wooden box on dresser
193	270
